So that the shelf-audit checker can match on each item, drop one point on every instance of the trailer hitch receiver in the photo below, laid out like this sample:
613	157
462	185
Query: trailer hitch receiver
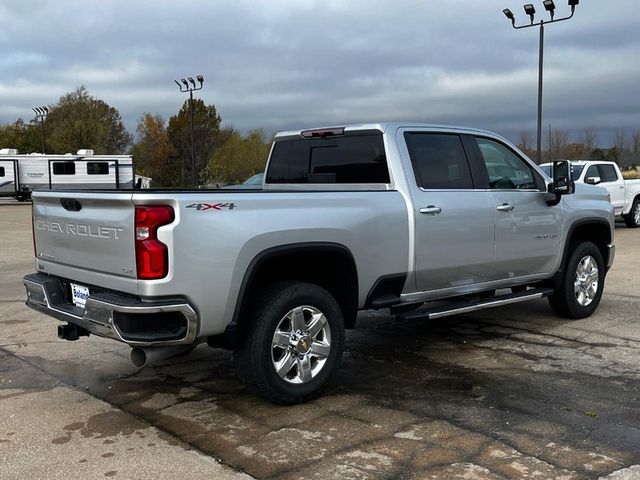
71	332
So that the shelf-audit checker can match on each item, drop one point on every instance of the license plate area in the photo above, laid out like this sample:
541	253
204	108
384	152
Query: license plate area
79	294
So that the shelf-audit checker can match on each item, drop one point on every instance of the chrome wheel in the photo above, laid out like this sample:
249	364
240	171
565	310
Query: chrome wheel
636	213
586	281
301	344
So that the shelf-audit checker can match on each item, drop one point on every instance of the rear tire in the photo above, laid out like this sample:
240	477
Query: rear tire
292	344
632	219
581	284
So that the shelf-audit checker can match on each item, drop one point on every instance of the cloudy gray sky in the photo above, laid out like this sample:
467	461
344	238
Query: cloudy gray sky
297	63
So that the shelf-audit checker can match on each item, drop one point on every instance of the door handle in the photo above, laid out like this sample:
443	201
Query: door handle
621	187
430	210
505	207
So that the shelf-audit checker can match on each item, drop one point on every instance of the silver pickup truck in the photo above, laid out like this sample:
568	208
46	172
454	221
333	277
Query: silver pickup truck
425	220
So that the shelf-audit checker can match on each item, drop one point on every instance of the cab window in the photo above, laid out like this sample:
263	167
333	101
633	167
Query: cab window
439	161
354	158
507	171
607	173
592	172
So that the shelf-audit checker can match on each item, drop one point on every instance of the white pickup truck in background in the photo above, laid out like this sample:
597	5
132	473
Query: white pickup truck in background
625	194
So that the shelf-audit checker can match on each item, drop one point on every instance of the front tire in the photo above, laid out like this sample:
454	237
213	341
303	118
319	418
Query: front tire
581	284
292	344
632	219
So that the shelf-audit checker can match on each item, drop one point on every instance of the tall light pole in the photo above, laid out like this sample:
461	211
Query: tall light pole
190	86
530	10
41	114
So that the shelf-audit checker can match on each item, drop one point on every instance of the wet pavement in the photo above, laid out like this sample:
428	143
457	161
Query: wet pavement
506	393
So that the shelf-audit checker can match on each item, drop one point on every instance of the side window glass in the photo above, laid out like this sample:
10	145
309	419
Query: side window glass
592	172
506	170
607	173
98	168
1	171
64	168
439	161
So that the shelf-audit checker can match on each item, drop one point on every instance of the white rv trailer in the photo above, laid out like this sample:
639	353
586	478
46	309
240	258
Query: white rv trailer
21	174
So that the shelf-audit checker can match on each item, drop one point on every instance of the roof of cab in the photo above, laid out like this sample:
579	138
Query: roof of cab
384	126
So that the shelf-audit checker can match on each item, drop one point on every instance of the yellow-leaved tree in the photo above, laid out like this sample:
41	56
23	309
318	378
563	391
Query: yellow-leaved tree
237	159
154	155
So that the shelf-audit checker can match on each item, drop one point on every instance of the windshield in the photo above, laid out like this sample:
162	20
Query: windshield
576	171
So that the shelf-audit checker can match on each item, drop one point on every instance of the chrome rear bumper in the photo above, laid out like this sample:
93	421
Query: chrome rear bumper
105	313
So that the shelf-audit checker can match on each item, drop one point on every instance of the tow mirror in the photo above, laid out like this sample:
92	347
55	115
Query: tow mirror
592	180
562	183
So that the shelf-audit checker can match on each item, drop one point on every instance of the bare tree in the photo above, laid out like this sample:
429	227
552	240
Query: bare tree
558	142
620	138
635	141
635	148
588	138
525	143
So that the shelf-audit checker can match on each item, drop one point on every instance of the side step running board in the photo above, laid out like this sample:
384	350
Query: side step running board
460	307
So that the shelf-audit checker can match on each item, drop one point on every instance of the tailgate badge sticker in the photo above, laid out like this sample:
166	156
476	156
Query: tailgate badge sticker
212	206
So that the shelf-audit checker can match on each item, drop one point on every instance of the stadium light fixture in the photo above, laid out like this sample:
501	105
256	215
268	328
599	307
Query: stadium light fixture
530	10
188	85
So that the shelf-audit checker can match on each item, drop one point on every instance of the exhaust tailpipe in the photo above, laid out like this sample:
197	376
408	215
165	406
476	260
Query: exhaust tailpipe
143	357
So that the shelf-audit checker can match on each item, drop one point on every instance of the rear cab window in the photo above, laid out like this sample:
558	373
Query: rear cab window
352	158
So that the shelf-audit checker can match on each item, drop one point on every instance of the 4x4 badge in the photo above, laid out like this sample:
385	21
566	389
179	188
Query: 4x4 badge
212	206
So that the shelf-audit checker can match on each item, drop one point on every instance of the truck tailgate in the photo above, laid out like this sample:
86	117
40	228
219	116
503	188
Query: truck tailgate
87	230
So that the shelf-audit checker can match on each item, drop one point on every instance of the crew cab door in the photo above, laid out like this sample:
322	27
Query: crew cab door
612	181
527	229
454	222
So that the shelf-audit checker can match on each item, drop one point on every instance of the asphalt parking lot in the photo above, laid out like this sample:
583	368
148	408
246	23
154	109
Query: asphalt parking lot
509	393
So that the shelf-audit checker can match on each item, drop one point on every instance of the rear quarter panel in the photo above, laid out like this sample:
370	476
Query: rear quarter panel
212	248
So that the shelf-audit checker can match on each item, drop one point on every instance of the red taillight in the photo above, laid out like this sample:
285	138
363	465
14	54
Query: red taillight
152	256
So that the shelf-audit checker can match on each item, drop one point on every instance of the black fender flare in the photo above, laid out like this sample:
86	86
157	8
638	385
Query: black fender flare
269	253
